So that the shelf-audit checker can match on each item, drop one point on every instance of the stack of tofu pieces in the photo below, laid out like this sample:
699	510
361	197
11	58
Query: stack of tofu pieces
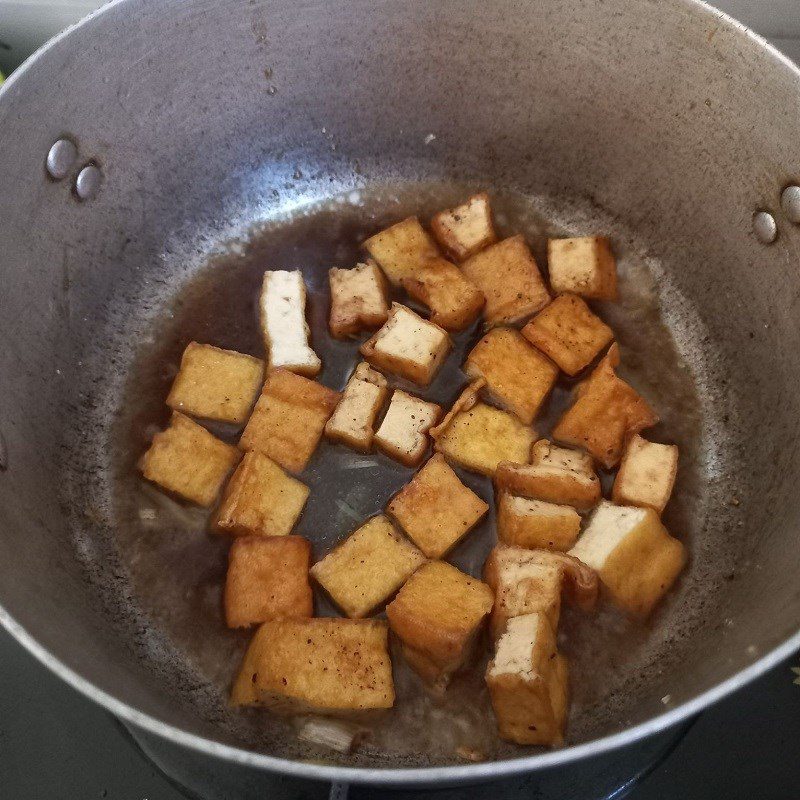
557	538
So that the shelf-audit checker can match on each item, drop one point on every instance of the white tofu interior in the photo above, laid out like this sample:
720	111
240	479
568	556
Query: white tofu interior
515	647
406	419
608	527
411	338
524	507
562	458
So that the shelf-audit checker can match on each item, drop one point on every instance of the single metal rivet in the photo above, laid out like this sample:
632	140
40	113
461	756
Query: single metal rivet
765	227
790	203
60	159
88	182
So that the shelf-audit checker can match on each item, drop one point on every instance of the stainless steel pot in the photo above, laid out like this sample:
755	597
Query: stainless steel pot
665	124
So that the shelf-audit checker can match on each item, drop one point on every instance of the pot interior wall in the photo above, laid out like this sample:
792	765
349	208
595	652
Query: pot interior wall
659	122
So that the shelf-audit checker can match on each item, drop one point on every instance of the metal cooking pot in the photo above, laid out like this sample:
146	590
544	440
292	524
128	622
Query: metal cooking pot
664	124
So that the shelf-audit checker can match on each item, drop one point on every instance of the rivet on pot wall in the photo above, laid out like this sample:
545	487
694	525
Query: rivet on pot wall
790	203
88	182
60	159
765	227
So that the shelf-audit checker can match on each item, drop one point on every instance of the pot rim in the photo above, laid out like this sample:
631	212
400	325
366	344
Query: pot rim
489	770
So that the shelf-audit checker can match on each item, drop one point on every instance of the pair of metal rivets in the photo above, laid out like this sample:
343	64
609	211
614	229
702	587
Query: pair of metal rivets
60	160
765	225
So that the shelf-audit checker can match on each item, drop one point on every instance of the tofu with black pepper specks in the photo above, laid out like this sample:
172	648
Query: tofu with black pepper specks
283	322
528	683
189	461
583	265
466	229
216	384
359	300
403	433
646	475
408	346
267	579
437	616
368	567
436	509
353	421
260	499
536	524
325	666
518	377
401	249
633	554
509	278
289	418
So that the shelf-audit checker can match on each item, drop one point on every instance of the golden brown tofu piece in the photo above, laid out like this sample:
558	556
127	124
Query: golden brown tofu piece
634	555
527	682
408	346
533	581
478	437
216	384
359	299
260	499
509	278
555	475
401	249
267	579
368	567
646	475
436	510
454	301
536	524
606	412
289	418
353	421
437	616
466	229
569	333
584	265
324	666
518	377
403	433
187	460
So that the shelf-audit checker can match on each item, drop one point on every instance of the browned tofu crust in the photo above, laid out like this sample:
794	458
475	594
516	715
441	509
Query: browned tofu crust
569	333
401	249
353	421
583	265
403	433
509	278
260	499
187	460
536	524
289	418
436	509
605	413
326	666
466	229
359	299
646	475
454	301
518	377
267	579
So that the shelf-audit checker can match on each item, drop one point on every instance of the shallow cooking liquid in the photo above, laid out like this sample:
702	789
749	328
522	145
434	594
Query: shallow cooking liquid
177	567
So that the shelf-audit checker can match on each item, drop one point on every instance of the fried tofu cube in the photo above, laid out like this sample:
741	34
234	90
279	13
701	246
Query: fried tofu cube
533	581
436	510
509	278
353	421
555	475
267	579
606	412
187	460
368	567
535	524
478	437
408	346
216	384
584	266
437	617
466	229
569	333
454	301
646	475
283	322
260	499
518	377
403	433
359	300
401	249
634	555
324	666
289	418
527	682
